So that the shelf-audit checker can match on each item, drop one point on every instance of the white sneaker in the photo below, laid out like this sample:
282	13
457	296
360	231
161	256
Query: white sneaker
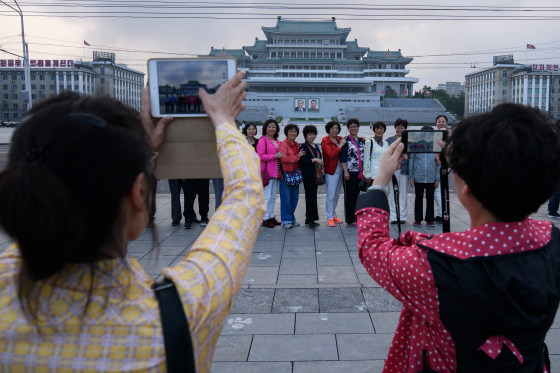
288	225
295	224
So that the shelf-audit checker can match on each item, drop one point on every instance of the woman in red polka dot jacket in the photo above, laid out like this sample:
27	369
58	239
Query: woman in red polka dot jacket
480	300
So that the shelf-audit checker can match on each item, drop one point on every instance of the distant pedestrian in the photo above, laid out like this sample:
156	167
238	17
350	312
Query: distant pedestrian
351	160
309	164
270	156
289	193
441	124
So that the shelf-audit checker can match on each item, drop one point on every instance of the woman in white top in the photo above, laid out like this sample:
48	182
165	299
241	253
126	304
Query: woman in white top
373	150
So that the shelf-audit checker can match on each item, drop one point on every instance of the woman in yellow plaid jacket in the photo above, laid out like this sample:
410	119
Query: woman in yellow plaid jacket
74	192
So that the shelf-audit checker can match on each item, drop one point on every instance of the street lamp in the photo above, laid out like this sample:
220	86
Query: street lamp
25	95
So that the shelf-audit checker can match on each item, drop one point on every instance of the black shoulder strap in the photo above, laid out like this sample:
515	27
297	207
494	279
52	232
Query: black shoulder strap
176	334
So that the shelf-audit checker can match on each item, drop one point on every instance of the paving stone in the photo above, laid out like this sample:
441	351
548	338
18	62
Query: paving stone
238	324
553	341
178	240
351	241
366	281
271	234
299	240
298	267
363	346
334	245
253	301
300	280
333	258
250	367
358	266
265	259
266	246
379	300
169	250
362	366
304	252
296	300
293	348
337	275
232	348
329	235
325	323
261	276
341	300
385	322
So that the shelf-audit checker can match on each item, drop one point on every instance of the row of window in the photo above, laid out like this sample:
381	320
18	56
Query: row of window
306	42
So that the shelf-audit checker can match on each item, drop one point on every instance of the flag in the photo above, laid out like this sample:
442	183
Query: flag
86	43
531	46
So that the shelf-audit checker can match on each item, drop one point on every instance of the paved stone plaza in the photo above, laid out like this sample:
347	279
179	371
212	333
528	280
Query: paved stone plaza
306	303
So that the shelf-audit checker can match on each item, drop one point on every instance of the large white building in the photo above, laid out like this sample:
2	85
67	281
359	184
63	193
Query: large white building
313	63
535	85
50	77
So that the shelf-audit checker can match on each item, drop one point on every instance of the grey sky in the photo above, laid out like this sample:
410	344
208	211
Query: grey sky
443	50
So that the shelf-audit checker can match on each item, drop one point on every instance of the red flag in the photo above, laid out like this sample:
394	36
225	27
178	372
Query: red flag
531	46
86	43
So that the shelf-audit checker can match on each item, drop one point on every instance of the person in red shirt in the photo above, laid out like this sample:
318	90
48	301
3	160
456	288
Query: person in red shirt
481	300
289	194
331	145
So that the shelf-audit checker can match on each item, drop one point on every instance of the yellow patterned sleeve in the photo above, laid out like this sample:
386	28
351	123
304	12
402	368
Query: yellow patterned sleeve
209	277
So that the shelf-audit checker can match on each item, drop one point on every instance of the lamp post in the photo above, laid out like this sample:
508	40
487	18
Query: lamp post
25	95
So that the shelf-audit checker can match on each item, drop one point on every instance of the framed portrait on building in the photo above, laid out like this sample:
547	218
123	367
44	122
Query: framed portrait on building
313	104
299	104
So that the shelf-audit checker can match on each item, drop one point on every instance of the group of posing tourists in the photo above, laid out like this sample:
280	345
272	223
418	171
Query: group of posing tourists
349	163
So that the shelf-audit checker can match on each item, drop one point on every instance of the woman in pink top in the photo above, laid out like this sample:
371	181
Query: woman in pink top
267	149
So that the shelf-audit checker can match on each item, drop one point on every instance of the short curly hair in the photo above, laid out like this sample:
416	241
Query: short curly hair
290	127
309	129
379	124
331	124
401	122
509	158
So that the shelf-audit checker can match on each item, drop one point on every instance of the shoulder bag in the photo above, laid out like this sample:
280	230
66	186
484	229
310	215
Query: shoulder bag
264	173
176	335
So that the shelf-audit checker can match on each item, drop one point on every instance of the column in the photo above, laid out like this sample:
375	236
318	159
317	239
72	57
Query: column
548	93
540	91
64	80
525	86
81	82
533	92
57	82
72	81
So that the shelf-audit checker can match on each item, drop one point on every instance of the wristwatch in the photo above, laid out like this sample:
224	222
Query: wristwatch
382	188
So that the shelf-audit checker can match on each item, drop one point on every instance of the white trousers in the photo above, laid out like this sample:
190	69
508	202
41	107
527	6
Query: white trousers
403	191
270	198
334	183
437	197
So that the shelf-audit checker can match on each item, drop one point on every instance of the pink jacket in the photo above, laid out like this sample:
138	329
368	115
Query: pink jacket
266	151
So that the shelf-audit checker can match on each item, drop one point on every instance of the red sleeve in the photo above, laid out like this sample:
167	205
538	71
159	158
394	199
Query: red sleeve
290	158
398	265
330	149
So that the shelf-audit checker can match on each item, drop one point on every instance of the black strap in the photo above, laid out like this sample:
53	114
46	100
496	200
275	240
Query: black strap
176	334
396	194
444	184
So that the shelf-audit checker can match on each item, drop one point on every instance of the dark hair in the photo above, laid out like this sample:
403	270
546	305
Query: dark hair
247	126
330	125
71	162
426	128
265	126
290	127
352	121
309	129
379	124
509	158
442	116
401	122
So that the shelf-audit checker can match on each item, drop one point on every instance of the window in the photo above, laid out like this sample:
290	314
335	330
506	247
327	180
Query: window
33	77
33	86
4	86
504	92
42	87
15	115
504	73
504	83
41	77
51	87
102	71
33	96
14	96
4	77
16	105
14	87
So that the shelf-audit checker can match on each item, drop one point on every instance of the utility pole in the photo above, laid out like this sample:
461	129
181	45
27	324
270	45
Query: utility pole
26	94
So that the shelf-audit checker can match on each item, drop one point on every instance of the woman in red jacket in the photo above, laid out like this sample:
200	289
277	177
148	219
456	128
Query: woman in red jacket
289	194
331	146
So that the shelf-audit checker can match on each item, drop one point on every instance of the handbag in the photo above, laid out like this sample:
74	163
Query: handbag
264	173
293	178
176	334
319	171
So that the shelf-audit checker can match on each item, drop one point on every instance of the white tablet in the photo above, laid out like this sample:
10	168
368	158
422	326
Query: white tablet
174	83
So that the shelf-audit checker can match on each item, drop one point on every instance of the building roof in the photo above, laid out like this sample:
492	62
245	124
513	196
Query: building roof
237	53
260	45
305	27
352	46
